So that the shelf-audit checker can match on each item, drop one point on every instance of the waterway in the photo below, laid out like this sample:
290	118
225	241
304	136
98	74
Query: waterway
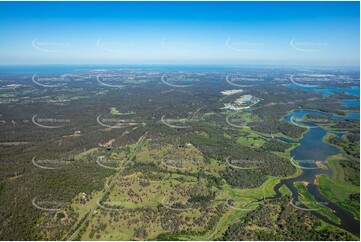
312	149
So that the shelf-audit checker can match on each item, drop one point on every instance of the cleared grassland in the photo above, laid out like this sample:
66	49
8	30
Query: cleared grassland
336	189
310	202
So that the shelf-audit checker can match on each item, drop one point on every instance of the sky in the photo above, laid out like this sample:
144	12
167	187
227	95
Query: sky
278	33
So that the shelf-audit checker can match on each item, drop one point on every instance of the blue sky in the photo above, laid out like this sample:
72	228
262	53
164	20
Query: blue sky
298	33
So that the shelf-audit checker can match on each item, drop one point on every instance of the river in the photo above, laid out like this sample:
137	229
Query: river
312	148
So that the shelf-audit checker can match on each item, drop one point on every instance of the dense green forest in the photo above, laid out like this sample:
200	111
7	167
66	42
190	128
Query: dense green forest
119	151
278	220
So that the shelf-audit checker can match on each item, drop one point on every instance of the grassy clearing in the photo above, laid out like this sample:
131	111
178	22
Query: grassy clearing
336	189
310	202
114	111
339	192
136	192
285	190
173	158
131	194
249	195
228	218
250	141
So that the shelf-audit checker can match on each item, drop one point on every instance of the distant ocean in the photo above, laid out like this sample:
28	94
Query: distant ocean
74	68
51	69
58	69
